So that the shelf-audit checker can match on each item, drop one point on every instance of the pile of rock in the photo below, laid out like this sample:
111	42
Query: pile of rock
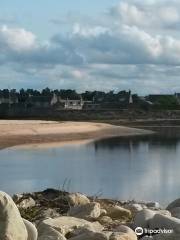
55	215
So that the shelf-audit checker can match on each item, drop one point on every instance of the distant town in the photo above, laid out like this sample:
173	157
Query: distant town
89	105
88	100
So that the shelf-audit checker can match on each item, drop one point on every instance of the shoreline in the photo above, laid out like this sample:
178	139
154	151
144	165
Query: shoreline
78	216
38	133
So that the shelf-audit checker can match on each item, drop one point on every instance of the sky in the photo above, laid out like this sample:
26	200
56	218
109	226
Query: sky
91	45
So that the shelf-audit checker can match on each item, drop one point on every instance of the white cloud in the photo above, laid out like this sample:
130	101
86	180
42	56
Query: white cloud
129	13
125	45
79	74
146	42
17	39
21	46
132	45
152	14
169	15
88	31
130	42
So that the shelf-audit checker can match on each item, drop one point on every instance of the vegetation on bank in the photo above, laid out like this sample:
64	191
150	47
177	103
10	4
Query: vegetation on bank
96	105
106	100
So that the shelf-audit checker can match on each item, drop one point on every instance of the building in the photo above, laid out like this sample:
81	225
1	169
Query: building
73	104
68	104
56	102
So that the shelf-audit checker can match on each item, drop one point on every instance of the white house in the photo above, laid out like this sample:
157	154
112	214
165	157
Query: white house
68	103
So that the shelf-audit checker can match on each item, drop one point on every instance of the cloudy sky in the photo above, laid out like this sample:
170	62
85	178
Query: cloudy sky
90	44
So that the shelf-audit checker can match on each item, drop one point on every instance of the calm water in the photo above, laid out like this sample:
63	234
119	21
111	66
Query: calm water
143	168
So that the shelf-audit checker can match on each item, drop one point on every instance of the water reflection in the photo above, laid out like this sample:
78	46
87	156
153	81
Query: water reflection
142	168
129	144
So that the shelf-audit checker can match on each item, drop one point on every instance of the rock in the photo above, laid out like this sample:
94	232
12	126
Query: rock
89	235
96	226
75	199
105	220
51	194
134	208
26	203
31	230
48	233
142	218
65	225
12	226
122	233
120	236
117	212
165	222
103	212
174	204
81	230
175	212
90	211
147	238
49	213
153	205
108	234
164	212
17	197
172	236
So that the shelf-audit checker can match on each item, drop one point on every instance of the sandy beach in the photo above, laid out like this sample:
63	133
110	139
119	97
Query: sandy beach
29	132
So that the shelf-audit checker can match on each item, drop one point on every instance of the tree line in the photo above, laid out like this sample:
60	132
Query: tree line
111	97
23	94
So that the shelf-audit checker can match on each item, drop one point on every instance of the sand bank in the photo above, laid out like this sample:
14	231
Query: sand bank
16	133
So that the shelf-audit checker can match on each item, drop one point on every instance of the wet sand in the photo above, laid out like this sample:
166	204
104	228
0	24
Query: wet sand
27	132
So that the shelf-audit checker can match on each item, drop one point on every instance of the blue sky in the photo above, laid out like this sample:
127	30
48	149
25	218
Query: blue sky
88	45
37	15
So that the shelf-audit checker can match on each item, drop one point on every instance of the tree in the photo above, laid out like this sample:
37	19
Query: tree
46	92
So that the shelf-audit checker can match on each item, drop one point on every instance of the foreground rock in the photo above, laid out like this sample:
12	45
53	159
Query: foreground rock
89	211
117	212
49	233
90	235
174	204
12	226
27	203
172	236
122	233
61	215
65	225
31	230
160	221
142	218
75	199
175	212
